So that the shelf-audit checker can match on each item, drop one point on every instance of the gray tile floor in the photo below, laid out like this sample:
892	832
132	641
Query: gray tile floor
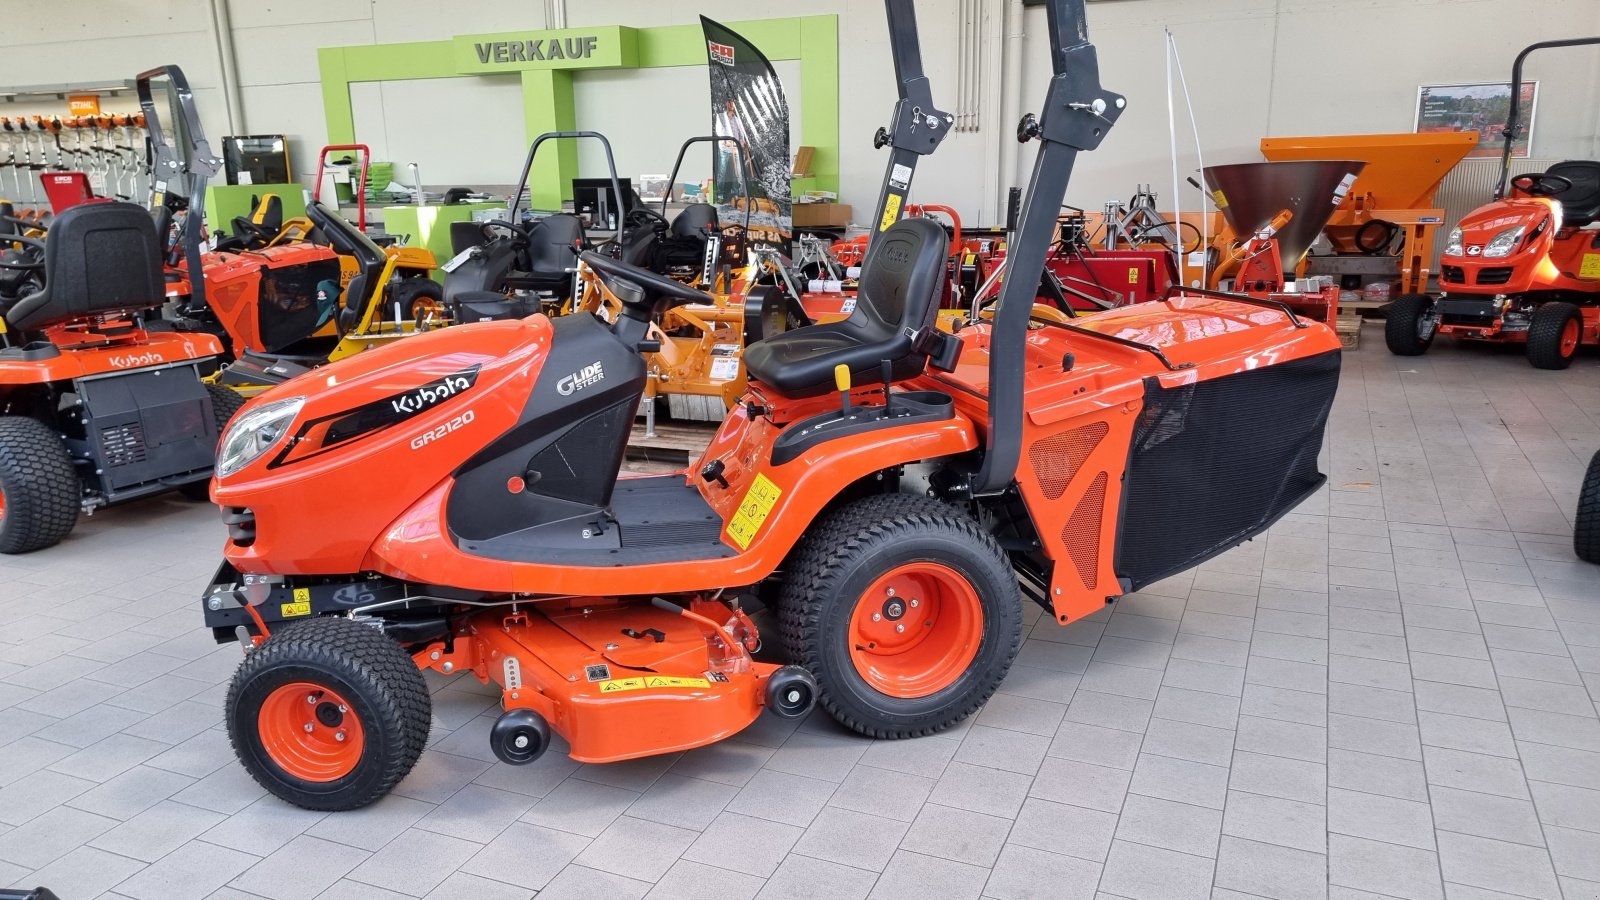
1390	694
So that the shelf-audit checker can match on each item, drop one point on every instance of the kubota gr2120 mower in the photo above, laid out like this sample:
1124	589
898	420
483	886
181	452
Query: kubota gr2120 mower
891	488
1522	269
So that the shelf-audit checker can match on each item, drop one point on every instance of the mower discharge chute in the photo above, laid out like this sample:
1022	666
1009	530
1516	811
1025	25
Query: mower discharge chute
1524	268
892	489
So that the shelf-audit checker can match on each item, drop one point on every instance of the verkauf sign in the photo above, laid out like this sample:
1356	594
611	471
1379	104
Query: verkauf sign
597	47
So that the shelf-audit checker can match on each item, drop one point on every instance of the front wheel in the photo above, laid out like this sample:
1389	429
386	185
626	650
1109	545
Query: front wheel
328	714
905	611
1410	325
1554	335
1586	533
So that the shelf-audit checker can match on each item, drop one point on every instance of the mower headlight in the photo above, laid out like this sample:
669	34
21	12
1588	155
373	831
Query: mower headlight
1452	246
254	433
1503	243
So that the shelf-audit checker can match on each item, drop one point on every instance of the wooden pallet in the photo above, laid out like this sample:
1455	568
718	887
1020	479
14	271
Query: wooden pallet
675	443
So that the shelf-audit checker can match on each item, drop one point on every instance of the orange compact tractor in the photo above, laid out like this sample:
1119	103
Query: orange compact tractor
892	489
1522	269
100	400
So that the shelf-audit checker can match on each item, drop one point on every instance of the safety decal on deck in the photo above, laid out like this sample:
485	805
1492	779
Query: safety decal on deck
301	605
753	510
1133	276
891	212
618	685
1590	268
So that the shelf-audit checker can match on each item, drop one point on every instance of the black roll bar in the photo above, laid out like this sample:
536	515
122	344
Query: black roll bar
744	172
533	149
1513	128
190	168
1077	114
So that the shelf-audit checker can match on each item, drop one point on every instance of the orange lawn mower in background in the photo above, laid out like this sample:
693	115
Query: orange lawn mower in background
894	491
1523	269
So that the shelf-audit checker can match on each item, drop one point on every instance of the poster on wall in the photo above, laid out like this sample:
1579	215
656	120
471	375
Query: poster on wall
1482	107
748	107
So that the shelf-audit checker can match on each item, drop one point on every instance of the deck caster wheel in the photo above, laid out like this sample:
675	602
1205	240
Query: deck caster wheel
791	692
905	611
328	714
519	737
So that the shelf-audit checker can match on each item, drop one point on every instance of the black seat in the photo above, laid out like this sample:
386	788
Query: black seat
553	247
1580	204
348	240
101	258
466	235
897	299
694	220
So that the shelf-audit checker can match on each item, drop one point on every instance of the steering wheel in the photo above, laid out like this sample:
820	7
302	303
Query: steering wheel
655	286
1541	184
517	231
32	266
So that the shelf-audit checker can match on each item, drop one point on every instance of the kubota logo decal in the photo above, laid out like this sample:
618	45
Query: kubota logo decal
132	360
577	381
430	395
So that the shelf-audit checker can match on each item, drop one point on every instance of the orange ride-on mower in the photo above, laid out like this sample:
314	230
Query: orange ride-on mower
1522	269
100	400
892	489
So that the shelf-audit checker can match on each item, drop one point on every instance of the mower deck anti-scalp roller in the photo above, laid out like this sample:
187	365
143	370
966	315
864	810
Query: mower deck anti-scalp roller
890	489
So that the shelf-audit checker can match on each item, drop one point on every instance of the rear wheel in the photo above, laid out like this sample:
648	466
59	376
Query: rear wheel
39	492
1410	326
421	300
1554	335
328	714
1586	534
905	611
225	404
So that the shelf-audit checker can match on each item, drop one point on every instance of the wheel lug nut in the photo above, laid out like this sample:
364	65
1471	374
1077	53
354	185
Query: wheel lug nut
891	592
342	708
308	728
899	628
311	698
338	736
876	617
915	603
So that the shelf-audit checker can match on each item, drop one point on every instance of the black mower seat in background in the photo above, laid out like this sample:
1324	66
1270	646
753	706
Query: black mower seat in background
553	247
101	258
899	289
1580	204
693	219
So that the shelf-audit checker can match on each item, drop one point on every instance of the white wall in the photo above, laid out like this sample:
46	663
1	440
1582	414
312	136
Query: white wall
1255	68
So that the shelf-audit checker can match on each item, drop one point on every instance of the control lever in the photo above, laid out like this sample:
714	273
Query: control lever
886	368
841	380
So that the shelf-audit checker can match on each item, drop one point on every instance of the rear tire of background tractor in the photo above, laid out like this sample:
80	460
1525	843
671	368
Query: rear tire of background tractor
312	754
969	603
39	492
225	404
1586	533
1554	335
1402	329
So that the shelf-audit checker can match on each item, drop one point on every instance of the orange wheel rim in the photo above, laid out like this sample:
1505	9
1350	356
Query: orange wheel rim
1569	337
2	504
310	732
915	630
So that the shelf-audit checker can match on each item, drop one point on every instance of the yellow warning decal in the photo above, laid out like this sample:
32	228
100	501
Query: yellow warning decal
1590	268
291	610
617	685
1219	198
753	510
891	212
1133	276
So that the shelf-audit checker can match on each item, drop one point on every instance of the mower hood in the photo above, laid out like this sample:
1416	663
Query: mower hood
1534	215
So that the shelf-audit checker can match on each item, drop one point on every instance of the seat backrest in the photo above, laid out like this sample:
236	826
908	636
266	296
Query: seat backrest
902	278
693	219
268	212
1580	204
100	258
554	244
346	239
465	235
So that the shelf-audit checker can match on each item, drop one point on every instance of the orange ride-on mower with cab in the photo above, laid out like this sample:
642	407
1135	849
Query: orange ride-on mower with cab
891	488
1522	269
101	401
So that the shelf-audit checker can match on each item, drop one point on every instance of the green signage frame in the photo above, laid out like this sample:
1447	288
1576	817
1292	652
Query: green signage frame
547	96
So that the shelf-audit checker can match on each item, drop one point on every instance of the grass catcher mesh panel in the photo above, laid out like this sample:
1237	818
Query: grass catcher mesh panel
1217	462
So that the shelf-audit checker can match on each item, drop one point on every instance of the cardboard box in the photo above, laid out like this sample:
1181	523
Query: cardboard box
821	215
1348	328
